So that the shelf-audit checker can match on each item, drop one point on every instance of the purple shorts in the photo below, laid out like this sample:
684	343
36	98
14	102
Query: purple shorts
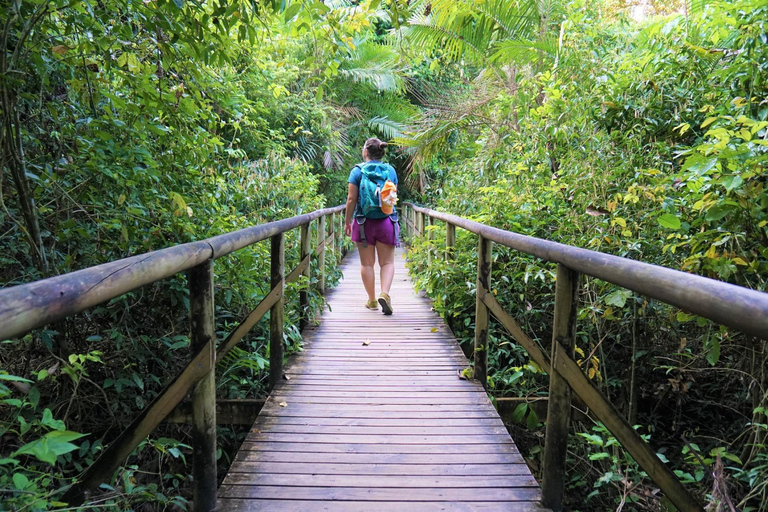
376	230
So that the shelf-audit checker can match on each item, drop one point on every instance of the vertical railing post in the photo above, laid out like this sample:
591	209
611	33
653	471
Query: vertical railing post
481	310
277	273
430	222
558	411
304	242
332	233
203	337
450	240
321	257
421	224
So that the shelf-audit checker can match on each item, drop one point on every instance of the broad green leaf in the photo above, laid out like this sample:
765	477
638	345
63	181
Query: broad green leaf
718	211
519	413
618	298
669	221
592	438
20	481
533	420
732	182
49	422
699	164
291	11
713	355
50	446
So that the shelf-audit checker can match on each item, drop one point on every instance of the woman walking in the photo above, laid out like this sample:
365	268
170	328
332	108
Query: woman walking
371	221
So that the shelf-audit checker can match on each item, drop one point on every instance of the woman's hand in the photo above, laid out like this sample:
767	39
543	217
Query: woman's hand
348	229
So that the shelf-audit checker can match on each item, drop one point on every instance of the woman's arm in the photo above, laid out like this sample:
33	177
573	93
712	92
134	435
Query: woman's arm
352	191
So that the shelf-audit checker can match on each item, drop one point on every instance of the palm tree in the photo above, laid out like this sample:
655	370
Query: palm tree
501	37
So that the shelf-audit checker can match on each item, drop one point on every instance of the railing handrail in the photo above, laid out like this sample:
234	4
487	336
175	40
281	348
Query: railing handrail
728	304
33	305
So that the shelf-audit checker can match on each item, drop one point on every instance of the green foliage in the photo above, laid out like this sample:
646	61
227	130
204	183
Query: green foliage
144	125
643	141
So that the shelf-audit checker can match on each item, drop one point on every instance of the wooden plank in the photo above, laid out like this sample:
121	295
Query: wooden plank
378	439
451	469
372	482
405	401
399	460
278	427
309	423
250	505
378	494
452	449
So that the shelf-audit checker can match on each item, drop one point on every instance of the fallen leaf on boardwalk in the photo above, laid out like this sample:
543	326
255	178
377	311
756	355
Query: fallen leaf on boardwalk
465	374
256	431
366	343
286	377
283	404
434	329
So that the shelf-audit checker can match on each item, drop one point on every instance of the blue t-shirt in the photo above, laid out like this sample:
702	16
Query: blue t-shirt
356	176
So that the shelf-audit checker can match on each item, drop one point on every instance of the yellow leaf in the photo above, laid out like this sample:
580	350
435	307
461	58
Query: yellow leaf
620	221
591	373
708	121
121	199
741	262
283	404
579	351
434	329
711	253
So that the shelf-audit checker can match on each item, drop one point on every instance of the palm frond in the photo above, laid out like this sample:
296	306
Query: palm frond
373	64
522	52
386	127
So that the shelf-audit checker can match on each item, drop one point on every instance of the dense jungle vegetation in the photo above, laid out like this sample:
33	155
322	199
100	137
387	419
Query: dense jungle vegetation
638	129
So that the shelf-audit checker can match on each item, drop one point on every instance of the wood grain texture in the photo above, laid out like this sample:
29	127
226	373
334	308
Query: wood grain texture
373	417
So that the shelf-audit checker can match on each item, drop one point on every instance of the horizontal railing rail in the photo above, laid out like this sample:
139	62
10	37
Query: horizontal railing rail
741	308
734	306
30	306
34	305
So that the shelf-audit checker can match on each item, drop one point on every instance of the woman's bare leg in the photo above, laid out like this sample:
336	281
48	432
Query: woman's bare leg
367	261
387	263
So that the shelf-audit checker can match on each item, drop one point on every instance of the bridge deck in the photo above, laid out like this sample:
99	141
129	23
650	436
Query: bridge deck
373	418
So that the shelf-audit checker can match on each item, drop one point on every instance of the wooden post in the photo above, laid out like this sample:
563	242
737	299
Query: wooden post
450	240
321	256
304	252
429	240
276	313
558	412
481	310
332	231
421	224
203	338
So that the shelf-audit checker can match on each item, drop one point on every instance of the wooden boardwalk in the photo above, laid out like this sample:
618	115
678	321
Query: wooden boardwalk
373	417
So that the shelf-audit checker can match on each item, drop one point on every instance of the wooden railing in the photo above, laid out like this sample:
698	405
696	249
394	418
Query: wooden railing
34	305
743	309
